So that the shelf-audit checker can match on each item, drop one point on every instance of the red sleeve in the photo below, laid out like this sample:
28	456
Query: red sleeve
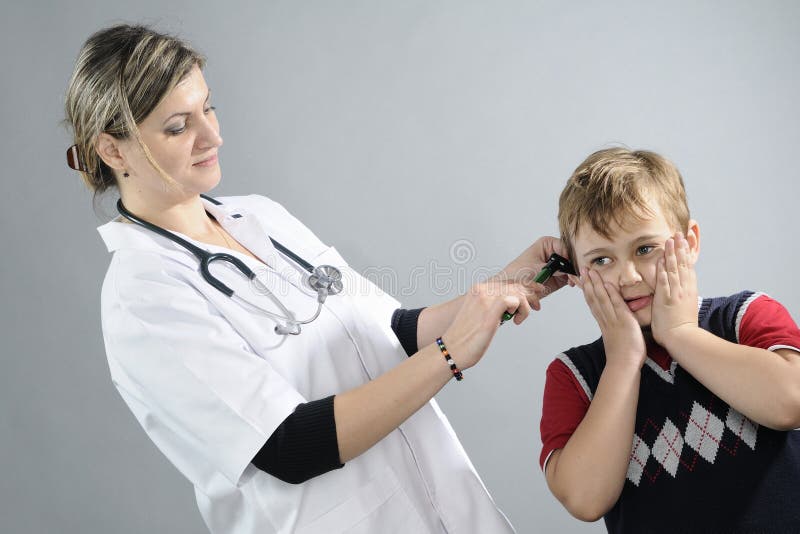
766	324
563	407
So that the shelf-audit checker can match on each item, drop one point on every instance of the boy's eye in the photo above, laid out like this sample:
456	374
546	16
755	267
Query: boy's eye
603	260
209	109
644	250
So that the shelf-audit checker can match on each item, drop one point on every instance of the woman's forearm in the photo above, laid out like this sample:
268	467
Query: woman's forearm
434	320
368	413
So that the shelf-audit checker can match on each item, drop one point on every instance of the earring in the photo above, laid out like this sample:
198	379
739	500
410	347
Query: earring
125	174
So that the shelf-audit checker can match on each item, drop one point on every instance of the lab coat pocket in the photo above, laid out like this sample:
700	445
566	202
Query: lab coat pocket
380	505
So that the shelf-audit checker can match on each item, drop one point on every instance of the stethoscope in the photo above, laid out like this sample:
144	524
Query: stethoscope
324	279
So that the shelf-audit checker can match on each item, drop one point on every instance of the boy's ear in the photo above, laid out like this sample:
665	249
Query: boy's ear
693	237
108	149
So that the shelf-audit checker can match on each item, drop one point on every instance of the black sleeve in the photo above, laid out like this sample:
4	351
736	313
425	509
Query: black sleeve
304	445
404	324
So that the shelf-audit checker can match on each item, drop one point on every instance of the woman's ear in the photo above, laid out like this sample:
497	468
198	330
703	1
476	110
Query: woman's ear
693	237
108	149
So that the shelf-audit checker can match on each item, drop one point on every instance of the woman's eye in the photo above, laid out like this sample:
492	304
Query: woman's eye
644	250
177	130
601	261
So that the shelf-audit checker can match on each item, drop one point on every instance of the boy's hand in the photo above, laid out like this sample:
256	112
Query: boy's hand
675	301
622	335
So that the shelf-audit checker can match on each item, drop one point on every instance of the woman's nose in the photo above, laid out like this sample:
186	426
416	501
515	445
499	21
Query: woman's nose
209	136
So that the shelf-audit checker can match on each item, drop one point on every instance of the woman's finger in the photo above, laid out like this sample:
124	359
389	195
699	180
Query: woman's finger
533	299
514	305
523	309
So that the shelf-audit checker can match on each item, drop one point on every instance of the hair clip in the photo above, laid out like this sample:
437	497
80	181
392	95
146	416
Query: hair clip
74	160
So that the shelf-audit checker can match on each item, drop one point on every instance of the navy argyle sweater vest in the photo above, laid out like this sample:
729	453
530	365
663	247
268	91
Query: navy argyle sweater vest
697	464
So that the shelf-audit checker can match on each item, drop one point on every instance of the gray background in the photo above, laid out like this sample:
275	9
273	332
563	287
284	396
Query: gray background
407	134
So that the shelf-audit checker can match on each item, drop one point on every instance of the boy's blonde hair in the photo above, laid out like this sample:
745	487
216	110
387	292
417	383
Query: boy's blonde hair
613	187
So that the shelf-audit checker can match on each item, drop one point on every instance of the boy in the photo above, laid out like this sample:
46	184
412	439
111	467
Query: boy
680	417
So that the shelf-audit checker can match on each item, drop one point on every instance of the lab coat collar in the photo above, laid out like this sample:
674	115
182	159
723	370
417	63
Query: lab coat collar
247	229
241	224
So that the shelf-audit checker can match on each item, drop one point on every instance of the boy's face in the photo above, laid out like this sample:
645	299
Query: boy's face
628	259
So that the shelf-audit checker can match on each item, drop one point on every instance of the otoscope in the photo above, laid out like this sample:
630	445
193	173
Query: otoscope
554	263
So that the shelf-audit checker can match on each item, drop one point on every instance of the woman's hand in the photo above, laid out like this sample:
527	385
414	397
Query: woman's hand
528	264
476	322
439	318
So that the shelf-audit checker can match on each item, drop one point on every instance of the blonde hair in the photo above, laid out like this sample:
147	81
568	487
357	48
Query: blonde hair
614	186
121	75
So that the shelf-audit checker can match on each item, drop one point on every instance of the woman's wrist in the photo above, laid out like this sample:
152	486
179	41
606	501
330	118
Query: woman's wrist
449	359
433	320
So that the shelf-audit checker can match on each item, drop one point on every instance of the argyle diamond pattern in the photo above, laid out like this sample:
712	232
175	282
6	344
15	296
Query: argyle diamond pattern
743	427
639	456
704	432
703	436
668	447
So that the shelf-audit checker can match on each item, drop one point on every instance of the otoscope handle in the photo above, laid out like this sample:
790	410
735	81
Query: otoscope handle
554	263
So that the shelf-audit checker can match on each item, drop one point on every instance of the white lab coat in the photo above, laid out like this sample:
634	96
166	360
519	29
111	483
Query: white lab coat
209	381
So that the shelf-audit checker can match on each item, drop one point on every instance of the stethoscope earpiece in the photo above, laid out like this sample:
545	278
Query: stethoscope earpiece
285	330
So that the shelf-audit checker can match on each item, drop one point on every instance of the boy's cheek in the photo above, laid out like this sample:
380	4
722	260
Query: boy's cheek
648	269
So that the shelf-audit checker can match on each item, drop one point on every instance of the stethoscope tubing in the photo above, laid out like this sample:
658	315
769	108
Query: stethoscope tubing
331	274
203	256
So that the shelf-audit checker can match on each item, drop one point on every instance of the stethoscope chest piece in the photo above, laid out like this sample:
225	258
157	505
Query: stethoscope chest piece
326	278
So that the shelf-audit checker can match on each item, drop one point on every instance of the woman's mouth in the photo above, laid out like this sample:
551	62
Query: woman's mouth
207	162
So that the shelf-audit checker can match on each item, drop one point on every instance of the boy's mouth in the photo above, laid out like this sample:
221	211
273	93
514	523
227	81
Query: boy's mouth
637	303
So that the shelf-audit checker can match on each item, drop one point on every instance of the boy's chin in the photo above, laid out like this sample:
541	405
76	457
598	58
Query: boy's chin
644	318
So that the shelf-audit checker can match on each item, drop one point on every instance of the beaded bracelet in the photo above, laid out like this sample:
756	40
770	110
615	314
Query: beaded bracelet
449	360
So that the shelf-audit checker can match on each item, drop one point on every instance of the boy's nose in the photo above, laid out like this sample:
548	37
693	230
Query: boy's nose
629	275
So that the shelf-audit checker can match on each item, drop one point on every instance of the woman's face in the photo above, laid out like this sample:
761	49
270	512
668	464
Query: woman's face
182	134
